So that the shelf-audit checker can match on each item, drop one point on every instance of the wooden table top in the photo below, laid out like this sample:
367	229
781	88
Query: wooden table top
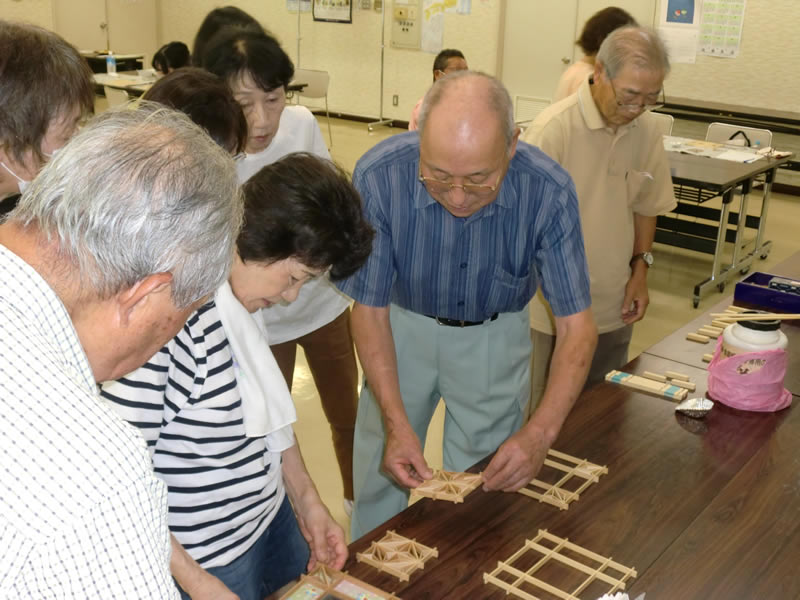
716	174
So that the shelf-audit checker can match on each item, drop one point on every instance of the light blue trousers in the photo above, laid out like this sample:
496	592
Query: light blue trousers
483	374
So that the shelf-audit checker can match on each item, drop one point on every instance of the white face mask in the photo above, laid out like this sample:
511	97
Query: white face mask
21	183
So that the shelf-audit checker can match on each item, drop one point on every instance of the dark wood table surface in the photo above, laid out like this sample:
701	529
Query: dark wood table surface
715	174
701	508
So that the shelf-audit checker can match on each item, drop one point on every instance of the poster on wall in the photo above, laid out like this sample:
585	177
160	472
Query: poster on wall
679	27
304	5
433	25
332	11
721	28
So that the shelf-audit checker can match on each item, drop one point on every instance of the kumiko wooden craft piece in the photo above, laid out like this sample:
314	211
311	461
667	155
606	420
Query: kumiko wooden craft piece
665	390
553	549
397	555
733	309
555	493
696	337
324	583
676	375
721	323
448	485
712	327
687	385
760	316
708	357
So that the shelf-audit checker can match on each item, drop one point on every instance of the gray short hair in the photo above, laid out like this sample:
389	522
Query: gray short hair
139	192
499	100
640	46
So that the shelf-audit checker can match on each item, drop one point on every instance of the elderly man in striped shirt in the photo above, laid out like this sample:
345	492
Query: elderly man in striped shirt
470	222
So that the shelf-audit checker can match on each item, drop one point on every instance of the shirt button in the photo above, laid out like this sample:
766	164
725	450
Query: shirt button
463	265
461	303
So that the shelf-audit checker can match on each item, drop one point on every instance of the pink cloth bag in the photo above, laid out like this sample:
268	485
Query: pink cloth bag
749	381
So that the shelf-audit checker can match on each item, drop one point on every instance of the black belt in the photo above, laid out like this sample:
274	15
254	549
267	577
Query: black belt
459	323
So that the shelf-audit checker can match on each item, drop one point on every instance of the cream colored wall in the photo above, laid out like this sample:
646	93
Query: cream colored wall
38	12
351	53
765	73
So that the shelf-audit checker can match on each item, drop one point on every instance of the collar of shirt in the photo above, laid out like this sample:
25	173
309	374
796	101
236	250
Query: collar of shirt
34	300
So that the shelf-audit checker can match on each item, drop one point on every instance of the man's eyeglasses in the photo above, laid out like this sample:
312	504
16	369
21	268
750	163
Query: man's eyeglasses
437	186
628	100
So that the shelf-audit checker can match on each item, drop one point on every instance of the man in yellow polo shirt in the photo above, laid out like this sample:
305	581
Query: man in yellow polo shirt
610	144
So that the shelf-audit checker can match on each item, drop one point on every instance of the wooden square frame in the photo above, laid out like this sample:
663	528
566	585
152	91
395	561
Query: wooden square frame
555	494
329	582
448	485
397	555
593	573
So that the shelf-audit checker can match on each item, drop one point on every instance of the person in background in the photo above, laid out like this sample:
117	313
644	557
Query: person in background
45	91
208	102
612	147
594	32
115	243
218	19
257	71
447	61
169	57
468	224
236	478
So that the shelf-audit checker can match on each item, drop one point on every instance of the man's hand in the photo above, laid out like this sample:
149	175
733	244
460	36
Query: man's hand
516	461
634	305
403	459
324	536
194	579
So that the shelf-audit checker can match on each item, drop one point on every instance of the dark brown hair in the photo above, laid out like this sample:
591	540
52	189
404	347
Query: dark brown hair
305	207
42	78
208	102
600	25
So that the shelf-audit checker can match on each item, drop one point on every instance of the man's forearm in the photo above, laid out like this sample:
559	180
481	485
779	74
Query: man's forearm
644	233
372	333
299	485
576	339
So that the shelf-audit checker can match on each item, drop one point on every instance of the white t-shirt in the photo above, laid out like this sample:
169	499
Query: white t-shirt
318	302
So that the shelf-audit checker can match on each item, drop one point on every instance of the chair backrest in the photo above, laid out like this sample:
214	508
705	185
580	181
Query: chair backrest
316	82
722	132
664	122
115	96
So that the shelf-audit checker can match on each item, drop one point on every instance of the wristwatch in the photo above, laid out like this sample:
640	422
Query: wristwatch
647	257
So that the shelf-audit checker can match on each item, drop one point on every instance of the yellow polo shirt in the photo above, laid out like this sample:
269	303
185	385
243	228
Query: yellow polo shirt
616	174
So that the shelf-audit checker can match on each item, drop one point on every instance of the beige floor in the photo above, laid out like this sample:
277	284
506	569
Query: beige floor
671	283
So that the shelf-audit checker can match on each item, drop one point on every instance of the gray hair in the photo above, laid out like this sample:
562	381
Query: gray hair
498	99
639	46
139	192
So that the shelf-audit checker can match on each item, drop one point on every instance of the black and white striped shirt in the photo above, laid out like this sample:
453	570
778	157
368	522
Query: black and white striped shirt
224	488
81	514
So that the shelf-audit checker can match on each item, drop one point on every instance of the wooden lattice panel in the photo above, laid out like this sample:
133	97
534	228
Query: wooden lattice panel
555	493
595	567
324	583
397	555
448	485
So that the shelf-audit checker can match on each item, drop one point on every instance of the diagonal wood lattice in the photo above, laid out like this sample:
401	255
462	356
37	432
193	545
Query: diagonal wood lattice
325	583
555	493
595	567
397	555
448	485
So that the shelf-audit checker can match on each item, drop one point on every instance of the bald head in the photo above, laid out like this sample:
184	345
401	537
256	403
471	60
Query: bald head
465	101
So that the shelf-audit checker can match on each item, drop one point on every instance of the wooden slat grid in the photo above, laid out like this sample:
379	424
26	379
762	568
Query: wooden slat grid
397	555
329	580
598	573
448	485
556	494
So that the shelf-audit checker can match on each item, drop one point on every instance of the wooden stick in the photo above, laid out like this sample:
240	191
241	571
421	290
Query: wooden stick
701	339
655	376
708	357
758	316
714	333
735	309
721	323
713	327
684	384
677	375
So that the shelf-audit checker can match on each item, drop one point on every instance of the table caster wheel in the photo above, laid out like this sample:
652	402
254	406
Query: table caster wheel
695	302
721	287
764	256
745	271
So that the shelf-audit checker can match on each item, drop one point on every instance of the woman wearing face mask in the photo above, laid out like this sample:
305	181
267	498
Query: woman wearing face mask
45	91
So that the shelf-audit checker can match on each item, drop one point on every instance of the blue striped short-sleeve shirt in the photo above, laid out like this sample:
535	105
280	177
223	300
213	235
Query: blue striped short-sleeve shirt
426	260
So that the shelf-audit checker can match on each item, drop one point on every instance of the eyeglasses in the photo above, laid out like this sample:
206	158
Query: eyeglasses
437	186
628	100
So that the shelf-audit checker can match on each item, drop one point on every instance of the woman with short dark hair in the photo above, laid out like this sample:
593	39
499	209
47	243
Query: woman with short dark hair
171	57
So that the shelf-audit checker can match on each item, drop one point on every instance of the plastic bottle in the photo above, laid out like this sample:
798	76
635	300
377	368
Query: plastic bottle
752	336
111	63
